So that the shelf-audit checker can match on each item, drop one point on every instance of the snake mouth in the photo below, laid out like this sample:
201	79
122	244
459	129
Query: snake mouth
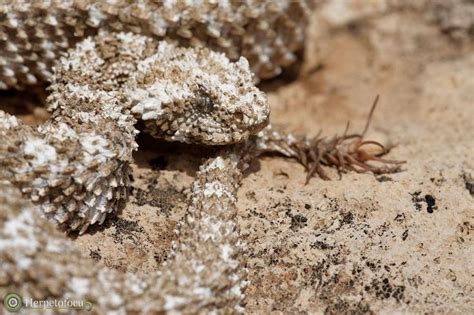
255	128
251	119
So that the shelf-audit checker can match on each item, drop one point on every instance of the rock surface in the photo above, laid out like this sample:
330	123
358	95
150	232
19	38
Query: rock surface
356	244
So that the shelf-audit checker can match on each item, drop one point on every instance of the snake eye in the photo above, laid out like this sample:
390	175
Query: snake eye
204	102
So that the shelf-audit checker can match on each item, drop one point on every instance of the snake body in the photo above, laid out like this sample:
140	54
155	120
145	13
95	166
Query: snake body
73	170
76	166
204	274
34	33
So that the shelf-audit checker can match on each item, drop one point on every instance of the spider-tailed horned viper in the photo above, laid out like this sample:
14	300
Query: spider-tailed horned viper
186	69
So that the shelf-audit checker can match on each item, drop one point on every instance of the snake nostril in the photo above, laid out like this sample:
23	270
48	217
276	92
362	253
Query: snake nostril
239	117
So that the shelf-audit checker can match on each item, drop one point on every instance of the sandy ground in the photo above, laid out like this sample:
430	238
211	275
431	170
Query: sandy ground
357	244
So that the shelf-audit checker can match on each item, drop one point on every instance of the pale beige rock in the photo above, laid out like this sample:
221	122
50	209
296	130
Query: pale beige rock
329	246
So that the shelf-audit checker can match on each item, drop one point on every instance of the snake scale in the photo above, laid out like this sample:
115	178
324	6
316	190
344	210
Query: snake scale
186	69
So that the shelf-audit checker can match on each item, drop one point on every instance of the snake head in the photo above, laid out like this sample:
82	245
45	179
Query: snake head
195	95
191	95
